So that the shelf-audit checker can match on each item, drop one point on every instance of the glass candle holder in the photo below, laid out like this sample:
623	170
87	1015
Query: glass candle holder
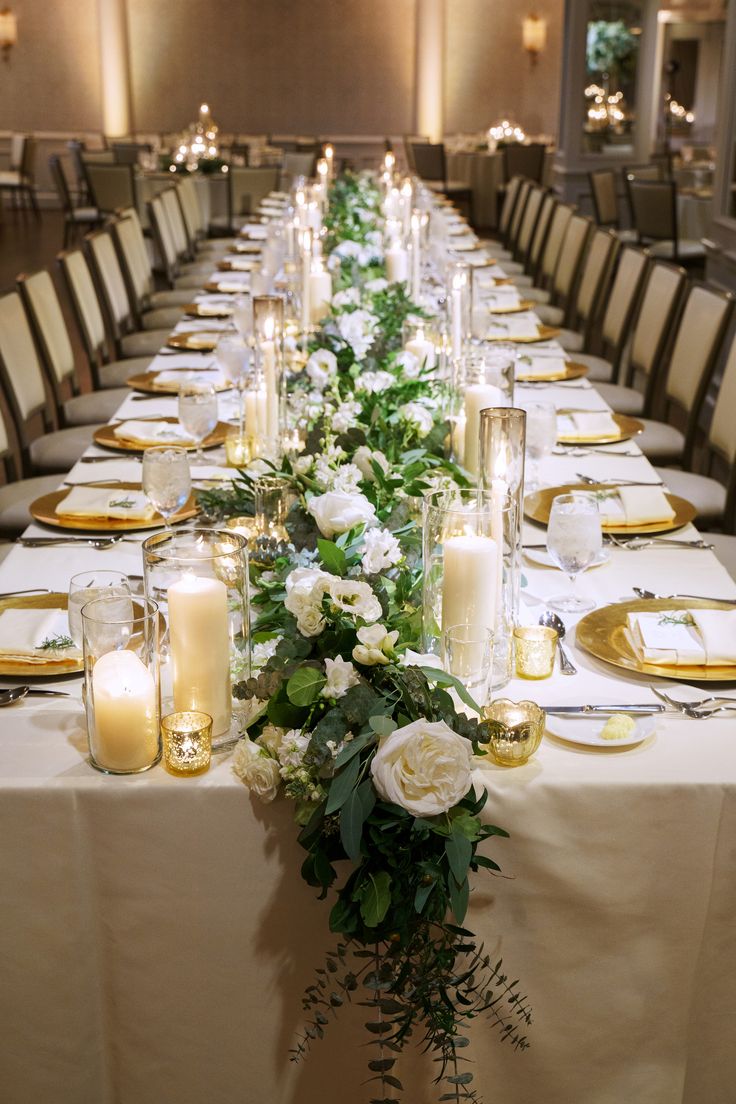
240	447
512	730
421	337
200	577
272	495
483	379
467	654
459	278
121	683
187	742
268	324
534	651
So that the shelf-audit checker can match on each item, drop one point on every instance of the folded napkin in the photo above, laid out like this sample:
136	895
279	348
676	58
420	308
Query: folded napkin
586	425
634	506
198	339
23	632
540	367
255	231
153	433
463	245
514	329
240	264
695	637
231	287
489	274
105	502
247	247
213	310
502	299
216	379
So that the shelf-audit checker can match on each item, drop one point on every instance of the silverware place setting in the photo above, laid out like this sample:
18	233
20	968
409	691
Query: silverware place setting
11	694
99	543
640	592
699	710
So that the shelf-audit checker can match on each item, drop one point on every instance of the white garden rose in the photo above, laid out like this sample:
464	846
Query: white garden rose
341	675
357	329
304	588
424	767
272	738
356	598
362	459
374	645
417	415
380	550
310	621
336	511
256	769
409	363
321	368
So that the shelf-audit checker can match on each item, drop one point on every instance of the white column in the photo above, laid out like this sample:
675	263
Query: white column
114	67
430	69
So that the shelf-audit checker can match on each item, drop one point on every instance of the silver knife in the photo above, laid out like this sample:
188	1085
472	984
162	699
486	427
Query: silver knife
582	709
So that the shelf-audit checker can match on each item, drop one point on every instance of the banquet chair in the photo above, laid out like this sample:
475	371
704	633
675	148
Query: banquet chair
538	243
127	153
430	163
246	187
16	493
191	210
590	288
654	207
724	548
522	241
641	364
295	164
500	243
567	272
167	256
514	267
138	272
76	153
177	227
536	284
75	218
19	179
107	372
43	447
620	306
110	185
127	339
525	160
605	203
51	335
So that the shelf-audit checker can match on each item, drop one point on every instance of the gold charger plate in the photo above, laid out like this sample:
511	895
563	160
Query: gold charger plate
524	305
628	426
572	371
545	333
205	342
228	266
146	381
44	510
192	309
603	634
537	507
251	247
106	437
18	668
213	285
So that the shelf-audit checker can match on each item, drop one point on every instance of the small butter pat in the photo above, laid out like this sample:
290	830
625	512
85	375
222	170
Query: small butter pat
618	727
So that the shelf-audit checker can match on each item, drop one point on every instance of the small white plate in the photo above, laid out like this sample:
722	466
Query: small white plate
586	730
542	557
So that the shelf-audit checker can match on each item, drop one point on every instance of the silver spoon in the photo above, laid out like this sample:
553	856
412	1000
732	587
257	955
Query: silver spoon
17	693
552	621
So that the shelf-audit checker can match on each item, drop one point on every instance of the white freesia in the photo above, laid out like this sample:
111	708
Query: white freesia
341	675
345	415
272	738
375	645
357	329
302	464
362	460
379	284
350	297
256	769
417	415
355	597
424	767
321	368
408	363
374	382
420	659
336	511
380	550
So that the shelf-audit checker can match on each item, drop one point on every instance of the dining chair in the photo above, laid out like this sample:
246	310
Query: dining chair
185	251
430	163
605	203
127	339
196	228
527	225
43	447
621	303
538	291
295	164
499	244
643	361
127	153
16	493
538	243
514	267
654	206
110	185
107	372
590	286
75	218
138	271
524	160
165	249
567	272
19	178
50	333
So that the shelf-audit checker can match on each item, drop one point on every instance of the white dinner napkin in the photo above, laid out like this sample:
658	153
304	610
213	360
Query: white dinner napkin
540	367
24	631
171	375
683	637
199	339
231	287
502	299
478	259
213	309
254	230
515	328
247	247
241	264
153	433
105	502
489	275
586	425
634	506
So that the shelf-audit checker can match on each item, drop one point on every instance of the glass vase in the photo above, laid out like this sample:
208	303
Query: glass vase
481	379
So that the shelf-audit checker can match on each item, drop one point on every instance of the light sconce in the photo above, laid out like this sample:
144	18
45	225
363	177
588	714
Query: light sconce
534	36
8	32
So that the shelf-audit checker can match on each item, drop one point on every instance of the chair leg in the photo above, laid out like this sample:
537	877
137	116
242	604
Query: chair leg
34	201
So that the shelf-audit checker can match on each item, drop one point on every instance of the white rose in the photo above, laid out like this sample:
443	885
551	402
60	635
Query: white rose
321	367
341	675
256	769
304	589
409	363
375	642
380	550
379	284
357	329
355	598
362	459
424	767
337	511
417	415
302	464
272	738
310	621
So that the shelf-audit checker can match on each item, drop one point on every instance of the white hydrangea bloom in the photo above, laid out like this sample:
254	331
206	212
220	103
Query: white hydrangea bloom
379	284
380	550
416	414
346	478
345	415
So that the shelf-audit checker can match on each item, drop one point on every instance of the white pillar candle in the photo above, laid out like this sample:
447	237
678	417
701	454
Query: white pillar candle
469	582
397	263
422	349
458	438
456	303
320	293
499	492
255	413
268	363
406	200
200	648
479	396
125	712
416	258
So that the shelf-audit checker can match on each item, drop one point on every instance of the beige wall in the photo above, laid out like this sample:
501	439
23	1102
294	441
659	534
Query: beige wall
345	66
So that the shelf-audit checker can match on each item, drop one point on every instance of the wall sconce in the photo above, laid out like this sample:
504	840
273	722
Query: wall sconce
534	36
8	32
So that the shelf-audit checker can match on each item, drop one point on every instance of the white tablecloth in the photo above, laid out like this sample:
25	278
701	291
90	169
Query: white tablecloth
156	935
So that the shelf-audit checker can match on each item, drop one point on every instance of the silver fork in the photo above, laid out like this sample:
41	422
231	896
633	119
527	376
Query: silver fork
700	710
637	544
640	592
618	482
99	543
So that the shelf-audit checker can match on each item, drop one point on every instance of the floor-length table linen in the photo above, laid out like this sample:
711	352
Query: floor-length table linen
156	934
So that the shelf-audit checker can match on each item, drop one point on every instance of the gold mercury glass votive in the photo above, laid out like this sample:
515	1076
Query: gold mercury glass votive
240	448
512	730
187	740
534	648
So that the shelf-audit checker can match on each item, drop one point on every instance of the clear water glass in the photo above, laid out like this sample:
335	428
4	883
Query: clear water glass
167	480
86	587
574	542
243	315
541	438
198	413
467	653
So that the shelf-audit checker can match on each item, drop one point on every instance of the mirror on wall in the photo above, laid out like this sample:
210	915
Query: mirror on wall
611	57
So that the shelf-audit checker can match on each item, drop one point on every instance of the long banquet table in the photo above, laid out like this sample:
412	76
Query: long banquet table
156	935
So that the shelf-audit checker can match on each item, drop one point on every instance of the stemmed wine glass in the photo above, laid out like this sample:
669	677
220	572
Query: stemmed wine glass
198	413
574	541
234	357
167	480
541	438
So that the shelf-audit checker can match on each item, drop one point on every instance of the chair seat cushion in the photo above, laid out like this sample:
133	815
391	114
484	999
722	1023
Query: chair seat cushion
96	407
599	370
116	374
147	342
725	550
660	442
570	340
535	294
623	400
627	235
160	317
15	499
9	179
169	299
706	494
194	282
197	268
522	281
685	249
513	268
58	452
551	316
85	214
